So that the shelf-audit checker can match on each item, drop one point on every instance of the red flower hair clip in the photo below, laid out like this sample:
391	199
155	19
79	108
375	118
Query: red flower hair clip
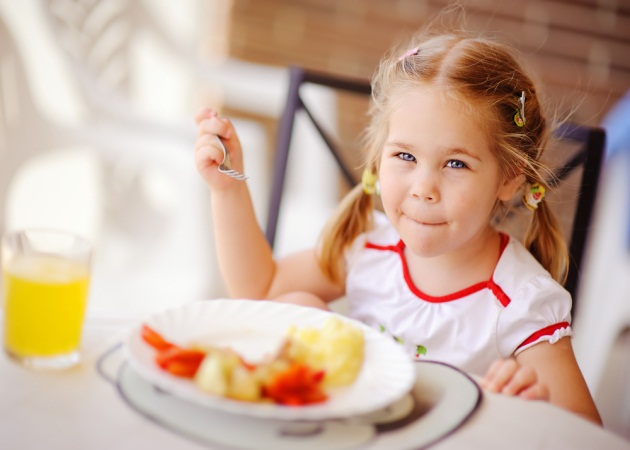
533	196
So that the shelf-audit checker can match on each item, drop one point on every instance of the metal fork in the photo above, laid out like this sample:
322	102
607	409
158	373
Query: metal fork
226	167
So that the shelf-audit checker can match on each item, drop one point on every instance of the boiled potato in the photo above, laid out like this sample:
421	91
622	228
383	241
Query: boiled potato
336	348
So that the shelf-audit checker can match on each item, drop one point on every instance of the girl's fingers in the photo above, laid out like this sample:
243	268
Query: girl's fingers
205	152
536	392
507	377
491	373
216	125
204	113
208	149
521	380
203	140
204	156
209	122
499	374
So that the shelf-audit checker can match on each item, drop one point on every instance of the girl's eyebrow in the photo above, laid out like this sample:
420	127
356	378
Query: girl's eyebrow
401	145
463	151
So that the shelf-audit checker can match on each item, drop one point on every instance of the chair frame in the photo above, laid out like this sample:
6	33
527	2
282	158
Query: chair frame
294	103
590	156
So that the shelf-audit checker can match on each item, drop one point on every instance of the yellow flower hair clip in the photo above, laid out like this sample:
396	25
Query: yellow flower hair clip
533	196
370	183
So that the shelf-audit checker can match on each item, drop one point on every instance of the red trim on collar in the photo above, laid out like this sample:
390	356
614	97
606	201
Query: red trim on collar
547	331
394	248
501	296
490	284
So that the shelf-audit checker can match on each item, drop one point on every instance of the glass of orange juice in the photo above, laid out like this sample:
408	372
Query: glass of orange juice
45	279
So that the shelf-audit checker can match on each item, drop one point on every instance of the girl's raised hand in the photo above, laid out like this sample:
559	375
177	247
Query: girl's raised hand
208	154
507	376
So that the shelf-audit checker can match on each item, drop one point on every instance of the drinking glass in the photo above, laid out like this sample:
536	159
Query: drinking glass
45	279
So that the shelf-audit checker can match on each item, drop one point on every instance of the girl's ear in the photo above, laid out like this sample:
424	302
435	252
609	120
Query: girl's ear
510	186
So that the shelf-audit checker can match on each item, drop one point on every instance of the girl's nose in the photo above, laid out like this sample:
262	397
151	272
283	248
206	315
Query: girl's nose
425	186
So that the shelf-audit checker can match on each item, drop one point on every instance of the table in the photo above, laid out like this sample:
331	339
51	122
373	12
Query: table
79	409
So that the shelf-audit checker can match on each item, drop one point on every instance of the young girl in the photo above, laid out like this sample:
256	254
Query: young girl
456	130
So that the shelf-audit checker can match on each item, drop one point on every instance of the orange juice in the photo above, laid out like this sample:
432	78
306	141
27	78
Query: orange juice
44	303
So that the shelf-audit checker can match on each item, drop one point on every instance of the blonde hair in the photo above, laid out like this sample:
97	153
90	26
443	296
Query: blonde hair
485	74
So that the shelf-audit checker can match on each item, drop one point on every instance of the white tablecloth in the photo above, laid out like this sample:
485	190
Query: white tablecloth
79	409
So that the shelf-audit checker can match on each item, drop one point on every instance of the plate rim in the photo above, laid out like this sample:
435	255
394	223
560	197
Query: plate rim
464	376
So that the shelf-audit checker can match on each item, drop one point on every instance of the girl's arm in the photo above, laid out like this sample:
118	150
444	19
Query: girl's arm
245	258
545	371
556	367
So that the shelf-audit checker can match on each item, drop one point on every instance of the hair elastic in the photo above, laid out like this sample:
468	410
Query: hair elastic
519	117
412	52
534	194
370	183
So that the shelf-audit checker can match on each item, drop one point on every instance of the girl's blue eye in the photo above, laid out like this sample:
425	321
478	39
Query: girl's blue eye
406	156
456	164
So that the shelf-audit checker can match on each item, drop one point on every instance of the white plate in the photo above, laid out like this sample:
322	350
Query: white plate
255	329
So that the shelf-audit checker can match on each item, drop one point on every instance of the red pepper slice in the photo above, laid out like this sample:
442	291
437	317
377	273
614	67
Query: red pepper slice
182	362
183	370
298	385
154	339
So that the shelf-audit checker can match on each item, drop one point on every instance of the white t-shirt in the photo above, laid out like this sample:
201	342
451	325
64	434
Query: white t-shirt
518	307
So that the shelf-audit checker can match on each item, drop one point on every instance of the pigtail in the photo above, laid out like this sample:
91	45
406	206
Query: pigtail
545	241
351	218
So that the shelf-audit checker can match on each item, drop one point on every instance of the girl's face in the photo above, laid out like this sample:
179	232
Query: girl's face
439	180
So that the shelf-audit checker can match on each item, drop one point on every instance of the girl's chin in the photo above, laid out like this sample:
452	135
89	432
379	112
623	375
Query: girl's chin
426	248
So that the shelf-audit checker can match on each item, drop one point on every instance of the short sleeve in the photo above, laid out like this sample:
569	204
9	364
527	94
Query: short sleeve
539	311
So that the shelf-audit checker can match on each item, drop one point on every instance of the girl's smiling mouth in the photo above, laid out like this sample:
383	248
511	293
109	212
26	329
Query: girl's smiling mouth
428	223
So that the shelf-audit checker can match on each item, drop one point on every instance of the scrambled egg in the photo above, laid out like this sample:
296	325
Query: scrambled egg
336	348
